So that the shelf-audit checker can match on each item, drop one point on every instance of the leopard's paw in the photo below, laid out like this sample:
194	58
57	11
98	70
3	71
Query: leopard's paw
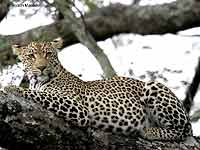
3	94
13	89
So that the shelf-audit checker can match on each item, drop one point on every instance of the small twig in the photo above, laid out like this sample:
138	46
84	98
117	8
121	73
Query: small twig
196	116
81	15
136	2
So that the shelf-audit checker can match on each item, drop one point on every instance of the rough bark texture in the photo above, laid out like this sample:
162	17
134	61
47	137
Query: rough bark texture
25	125
116	18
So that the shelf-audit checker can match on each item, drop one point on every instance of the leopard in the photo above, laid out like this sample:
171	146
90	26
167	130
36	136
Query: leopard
121	105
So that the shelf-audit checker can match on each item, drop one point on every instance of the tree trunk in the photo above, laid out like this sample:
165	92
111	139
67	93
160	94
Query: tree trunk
25	125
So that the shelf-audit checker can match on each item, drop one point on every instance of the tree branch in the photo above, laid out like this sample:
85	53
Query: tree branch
195	116
192	89
117	18
25	125
78	27
4	8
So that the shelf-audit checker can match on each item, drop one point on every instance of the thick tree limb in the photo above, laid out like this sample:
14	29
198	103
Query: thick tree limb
4	8
25	125
192	89
117	18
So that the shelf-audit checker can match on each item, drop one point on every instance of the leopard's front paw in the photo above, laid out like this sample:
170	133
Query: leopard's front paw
3	94
13	89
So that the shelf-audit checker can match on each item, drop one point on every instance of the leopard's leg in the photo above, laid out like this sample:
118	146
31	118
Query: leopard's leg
166	134
170	120
66	107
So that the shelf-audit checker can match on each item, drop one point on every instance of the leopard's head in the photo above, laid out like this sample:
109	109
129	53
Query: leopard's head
40	59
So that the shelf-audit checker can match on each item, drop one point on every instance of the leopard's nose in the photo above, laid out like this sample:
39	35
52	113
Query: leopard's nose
41	67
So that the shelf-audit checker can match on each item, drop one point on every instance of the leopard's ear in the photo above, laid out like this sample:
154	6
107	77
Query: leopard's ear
16	49
57	43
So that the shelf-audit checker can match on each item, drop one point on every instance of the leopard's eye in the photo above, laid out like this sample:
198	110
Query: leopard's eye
30	52
31	55
48	53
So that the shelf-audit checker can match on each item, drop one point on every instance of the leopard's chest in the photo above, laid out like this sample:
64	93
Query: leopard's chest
55	86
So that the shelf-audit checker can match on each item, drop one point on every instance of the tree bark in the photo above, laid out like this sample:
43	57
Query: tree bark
25	125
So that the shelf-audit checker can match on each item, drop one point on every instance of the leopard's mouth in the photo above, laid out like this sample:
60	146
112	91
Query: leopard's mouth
39	78
43	78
